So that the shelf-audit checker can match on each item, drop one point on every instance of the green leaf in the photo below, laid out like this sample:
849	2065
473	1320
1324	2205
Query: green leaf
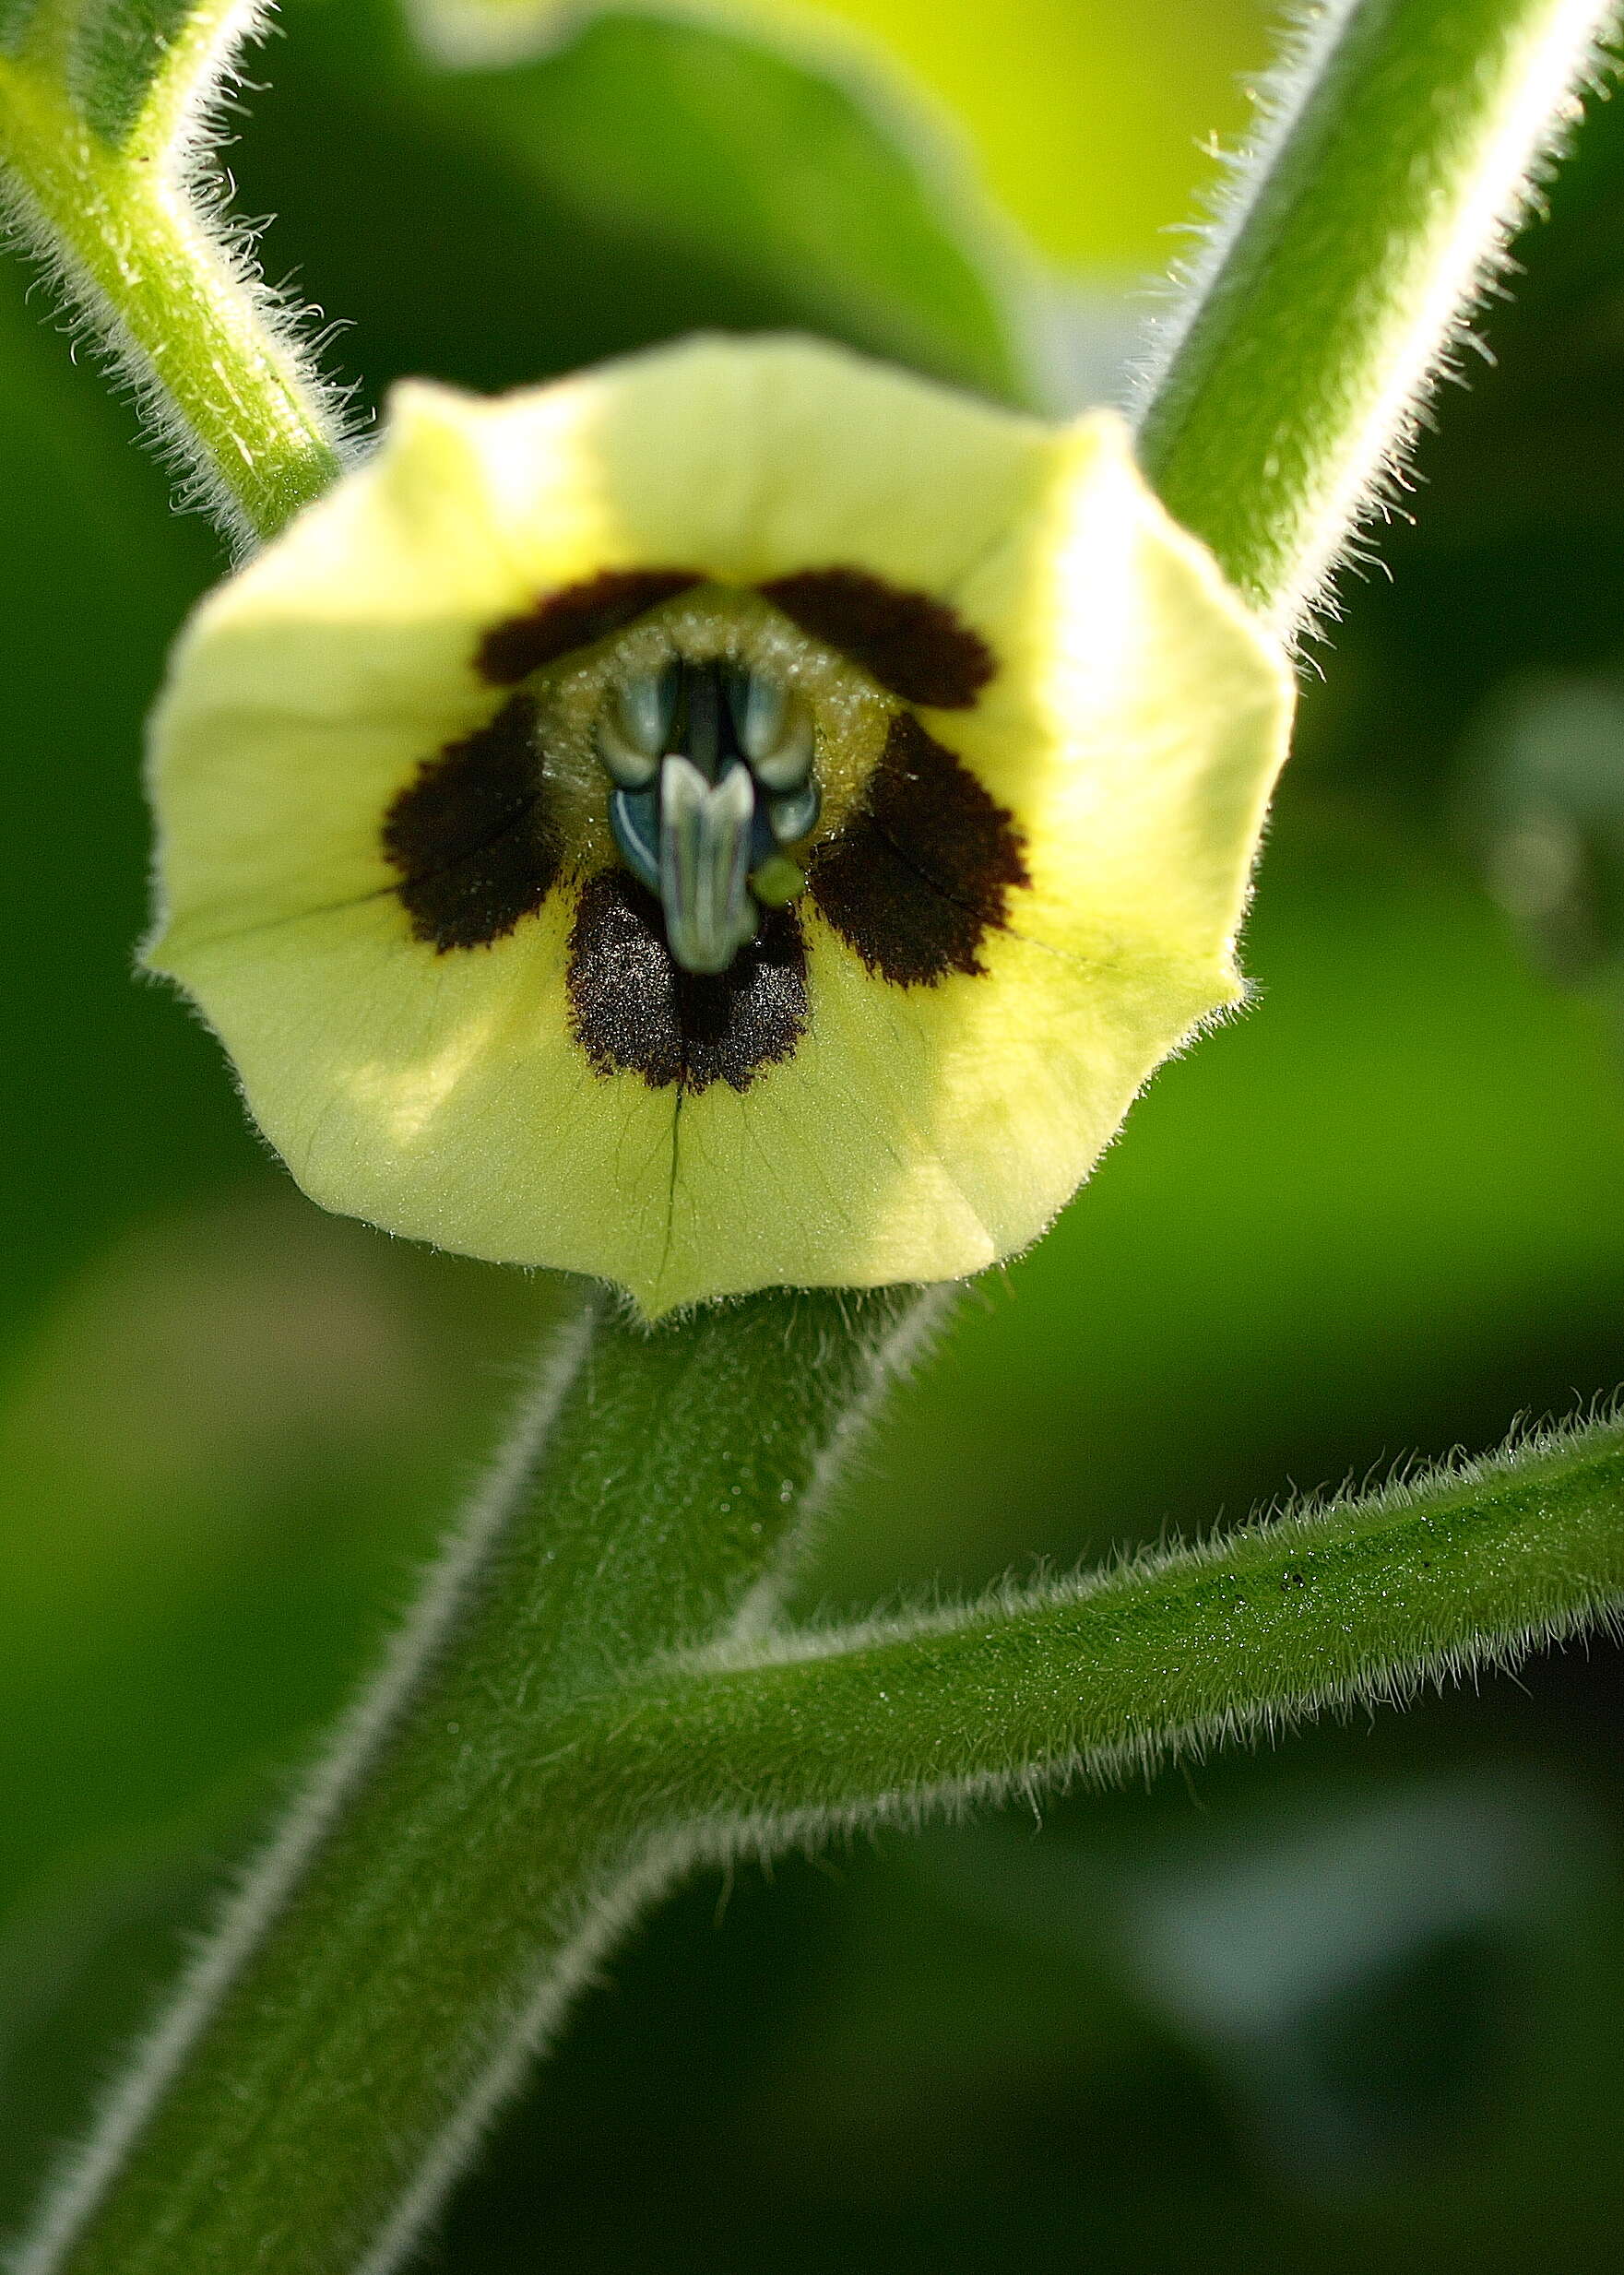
126	66
776	170
16	16
99	105
121	54
809	181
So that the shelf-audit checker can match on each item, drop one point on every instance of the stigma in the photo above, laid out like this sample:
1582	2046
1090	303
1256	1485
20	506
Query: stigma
711	765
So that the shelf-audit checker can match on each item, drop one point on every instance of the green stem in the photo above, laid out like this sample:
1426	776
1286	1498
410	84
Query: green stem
1364	1600
210	358
412	1935
1371	214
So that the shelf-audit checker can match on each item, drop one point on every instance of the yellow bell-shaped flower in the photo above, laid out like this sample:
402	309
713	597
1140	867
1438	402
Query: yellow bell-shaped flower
738	817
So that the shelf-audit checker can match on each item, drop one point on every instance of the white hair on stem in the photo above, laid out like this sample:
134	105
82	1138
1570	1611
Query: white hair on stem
177	178
1424	334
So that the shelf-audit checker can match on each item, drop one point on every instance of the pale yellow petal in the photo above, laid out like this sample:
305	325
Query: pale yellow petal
1139	720
1131	729
706	448
442	1096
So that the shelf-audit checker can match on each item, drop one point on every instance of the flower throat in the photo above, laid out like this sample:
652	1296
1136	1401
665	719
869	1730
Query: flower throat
712	768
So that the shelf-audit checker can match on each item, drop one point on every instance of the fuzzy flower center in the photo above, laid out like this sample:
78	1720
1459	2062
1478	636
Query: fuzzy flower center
690	774
712	765
708	746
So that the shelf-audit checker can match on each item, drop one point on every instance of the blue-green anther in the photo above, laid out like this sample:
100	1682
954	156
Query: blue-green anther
713	771
648	706
795	816
634	731
774	732
787	765
758	704
633	816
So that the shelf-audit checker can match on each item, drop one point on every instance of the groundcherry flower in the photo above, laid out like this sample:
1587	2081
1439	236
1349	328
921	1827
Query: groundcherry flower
740	816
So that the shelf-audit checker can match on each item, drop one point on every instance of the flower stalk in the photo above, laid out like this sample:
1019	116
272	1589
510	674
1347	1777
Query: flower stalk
1402	142
591	1696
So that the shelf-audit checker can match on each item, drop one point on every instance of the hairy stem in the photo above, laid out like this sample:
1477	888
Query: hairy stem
412	1936
99	178
1361	1600
1403	141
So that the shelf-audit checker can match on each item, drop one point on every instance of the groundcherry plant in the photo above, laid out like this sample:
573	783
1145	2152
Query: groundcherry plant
739	826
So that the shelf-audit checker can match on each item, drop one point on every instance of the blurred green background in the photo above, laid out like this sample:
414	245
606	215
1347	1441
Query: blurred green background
1355	1999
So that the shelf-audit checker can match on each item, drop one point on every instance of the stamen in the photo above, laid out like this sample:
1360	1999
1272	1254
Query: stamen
795	816
787	764
758	704
712	764
633	816
647	705
634	731
774	732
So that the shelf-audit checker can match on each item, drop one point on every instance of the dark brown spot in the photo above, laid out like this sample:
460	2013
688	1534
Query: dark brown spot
471	836
912	644
916	879
636	1012
573	617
